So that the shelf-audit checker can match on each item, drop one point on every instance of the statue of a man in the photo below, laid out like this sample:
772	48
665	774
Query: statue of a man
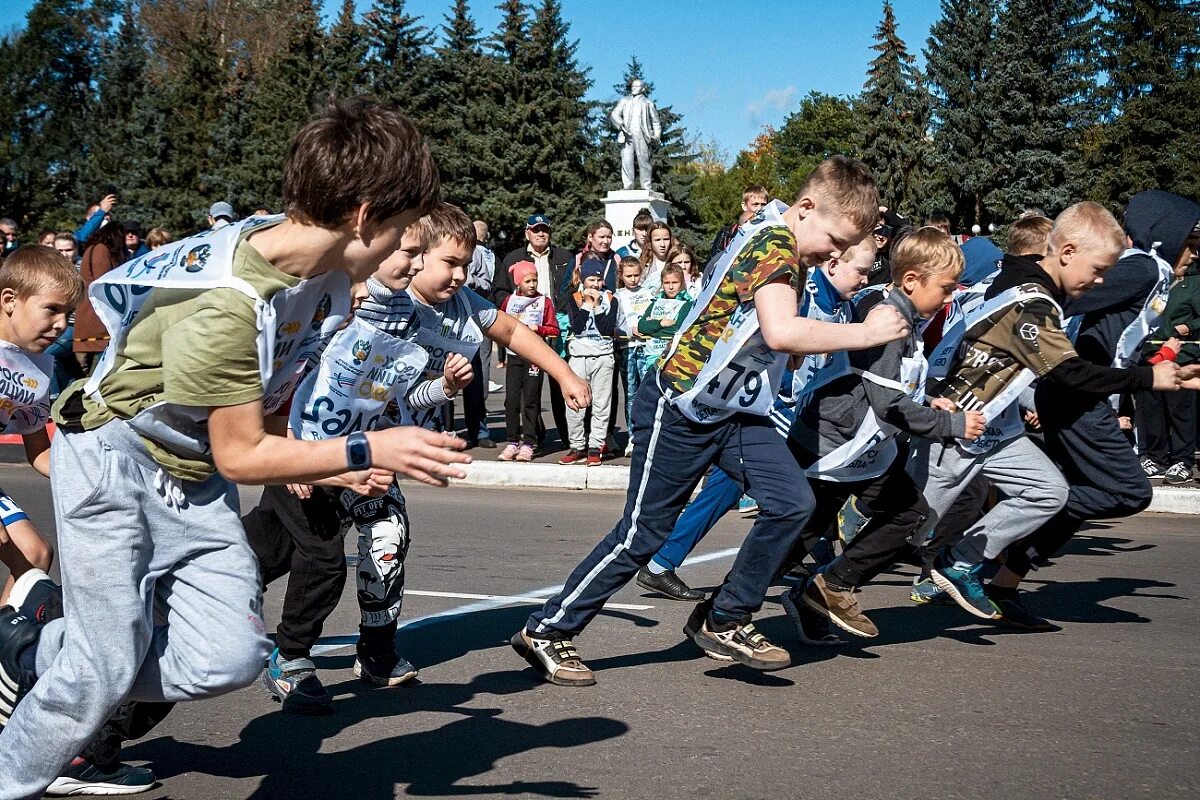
637	120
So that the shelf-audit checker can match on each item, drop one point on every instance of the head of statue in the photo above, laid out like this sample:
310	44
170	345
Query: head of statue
636	87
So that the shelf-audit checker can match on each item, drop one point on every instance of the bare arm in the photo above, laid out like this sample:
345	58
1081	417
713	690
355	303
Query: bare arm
507	332
786	332
246	453
37	451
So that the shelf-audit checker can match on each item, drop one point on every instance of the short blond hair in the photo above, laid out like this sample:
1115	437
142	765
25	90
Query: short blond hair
849	184
1030	235
443	222
1088	225
38	269
926	251
865	247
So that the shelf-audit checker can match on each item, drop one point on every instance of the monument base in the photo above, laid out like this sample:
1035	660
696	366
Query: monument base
622	205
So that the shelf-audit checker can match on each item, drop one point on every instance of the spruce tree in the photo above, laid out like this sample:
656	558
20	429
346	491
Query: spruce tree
345	55
956	71
398	58
1036	101
1149	53
895	115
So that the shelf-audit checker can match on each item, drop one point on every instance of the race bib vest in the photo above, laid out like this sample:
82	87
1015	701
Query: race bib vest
293	324
530	311
24	390
1130	341
633	306
439	340
741	374
1001	415
663	309
360	373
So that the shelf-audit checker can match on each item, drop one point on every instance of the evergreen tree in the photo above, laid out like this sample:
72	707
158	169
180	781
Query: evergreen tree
823	126
398	58
1036	102
895	114
345	56
955	67
1149	53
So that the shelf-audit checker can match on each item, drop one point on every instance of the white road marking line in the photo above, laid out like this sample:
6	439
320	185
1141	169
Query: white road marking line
513	599
332	644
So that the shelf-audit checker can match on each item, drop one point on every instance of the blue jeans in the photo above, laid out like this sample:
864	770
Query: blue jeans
670	455
630	362
719	496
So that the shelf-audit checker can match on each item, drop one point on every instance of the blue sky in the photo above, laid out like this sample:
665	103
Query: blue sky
729	67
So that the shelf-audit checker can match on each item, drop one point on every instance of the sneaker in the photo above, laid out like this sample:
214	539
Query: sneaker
82	777
486	443
525	453
494	387
924	590
629	450
964	586
695	622
555	658
37	597
1015	615
741	643
595	457
814	628
296	686
840	606
669	584
574	457
385	668
509	452
18	633
1177	474
1152	470
747	505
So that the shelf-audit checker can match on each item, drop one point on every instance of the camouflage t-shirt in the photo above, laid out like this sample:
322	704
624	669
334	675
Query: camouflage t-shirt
766	258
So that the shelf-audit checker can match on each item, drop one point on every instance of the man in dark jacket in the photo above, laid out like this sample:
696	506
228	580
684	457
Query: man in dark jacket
1081	429
554	265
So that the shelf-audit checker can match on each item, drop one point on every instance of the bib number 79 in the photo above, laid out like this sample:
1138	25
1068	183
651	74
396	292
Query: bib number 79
735	378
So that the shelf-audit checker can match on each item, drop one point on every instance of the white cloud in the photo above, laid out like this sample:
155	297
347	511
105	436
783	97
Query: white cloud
773	102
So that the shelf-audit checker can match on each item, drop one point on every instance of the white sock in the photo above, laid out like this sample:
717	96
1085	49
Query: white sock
656	568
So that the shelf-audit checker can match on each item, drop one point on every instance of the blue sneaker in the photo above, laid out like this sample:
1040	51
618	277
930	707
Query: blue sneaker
296	686
926	591
965	587
747	505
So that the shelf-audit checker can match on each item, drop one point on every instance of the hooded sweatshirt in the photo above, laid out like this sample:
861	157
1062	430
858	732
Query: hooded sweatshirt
1152	217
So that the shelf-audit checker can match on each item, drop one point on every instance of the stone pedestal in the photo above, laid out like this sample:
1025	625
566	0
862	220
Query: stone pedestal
622	205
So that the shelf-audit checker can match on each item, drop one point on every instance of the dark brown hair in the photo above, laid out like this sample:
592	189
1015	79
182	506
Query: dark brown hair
358	151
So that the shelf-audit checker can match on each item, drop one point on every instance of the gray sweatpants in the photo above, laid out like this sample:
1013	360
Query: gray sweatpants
162	601
1031	487
598	372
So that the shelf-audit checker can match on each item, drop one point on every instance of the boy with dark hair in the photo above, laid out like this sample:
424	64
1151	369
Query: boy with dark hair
708	403
209	339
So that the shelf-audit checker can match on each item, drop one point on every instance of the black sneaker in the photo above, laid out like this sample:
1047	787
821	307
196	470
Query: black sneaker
1015	615
82	777
1153	471
18	633
37	597
1177	474
814	629
669	584
296	686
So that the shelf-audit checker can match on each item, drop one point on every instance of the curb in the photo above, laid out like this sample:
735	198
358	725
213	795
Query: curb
1167	499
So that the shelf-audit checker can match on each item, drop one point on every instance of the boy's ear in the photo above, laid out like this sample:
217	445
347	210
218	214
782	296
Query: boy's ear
360	218
1067	252
806	205
8	299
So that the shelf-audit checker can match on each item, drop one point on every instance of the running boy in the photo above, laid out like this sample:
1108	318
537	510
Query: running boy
708	403
38	290
983	364
851	432
209	338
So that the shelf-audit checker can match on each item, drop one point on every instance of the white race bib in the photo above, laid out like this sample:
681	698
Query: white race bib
24	390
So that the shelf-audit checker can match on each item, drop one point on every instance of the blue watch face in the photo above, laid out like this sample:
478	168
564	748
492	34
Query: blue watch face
359	451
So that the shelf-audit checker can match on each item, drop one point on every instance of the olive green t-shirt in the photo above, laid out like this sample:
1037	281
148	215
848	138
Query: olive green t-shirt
186	347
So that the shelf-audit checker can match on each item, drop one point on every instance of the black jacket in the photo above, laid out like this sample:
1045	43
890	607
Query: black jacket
561	265
1108	309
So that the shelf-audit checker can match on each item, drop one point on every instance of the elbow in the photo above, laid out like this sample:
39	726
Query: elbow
773	339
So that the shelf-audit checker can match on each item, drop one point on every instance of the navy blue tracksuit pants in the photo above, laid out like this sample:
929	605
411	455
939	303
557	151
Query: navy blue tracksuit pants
670	456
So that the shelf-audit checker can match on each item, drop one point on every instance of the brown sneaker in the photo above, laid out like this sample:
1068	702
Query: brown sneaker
742	643
841	606
555	658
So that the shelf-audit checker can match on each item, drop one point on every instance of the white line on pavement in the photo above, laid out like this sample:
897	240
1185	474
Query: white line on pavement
513	599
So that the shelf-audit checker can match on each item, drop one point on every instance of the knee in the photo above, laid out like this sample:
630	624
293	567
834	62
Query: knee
233	662
1050	497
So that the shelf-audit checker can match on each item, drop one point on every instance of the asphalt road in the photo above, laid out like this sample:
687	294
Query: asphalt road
936	707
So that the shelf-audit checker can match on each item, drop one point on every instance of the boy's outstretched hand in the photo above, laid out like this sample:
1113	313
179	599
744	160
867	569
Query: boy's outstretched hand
457	373
420	454
576	392
1167	376
884	324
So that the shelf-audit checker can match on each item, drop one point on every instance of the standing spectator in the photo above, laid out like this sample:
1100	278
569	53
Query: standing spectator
598	245
592	312
66	368
103	253
97	215
64	243
654	257
480	273
261	211
632	302
754	198
523	380
46	238
939	221
553	266
134	246
157	237
642	221
8	227
684	257
220	215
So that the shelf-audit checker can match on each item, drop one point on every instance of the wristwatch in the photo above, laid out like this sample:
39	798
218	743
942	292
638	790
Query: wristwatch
358	451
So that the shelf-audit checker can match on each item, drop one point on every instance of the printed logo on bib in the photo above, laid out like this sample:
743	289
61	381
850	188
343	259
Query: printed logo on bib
24	393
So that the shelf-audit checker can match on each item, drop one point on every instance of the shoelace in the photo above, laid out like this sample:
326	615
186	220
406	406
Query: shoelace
170	490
